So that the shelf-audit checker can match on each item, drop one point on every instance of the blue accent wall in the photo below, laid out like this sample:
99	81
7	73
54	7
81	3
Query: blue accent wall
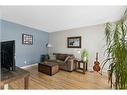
29	53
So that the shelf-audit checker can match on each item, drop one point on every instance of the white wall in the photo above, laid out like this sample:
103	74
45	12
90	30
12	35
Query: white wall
92	39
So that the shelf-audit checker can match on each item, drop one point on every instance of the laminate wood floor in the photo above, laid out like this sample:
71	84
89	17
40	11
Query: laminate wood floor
62	80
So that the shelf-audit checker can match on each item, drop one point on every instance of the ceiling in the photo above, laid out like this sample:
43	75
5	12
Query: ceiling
57	18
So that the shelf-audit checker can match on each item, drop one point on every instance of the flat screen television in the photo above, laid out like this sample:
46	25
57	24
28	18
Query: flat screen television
8	55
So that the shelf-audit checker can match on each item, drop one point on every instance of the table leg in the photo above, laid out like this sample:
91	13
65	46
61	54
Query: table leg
86	65
78	65
2	87
84	69
26	82
75	66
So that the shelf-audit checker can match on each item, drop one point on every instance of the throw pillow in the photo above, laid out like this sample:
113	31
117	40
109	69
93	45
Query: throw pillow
65	61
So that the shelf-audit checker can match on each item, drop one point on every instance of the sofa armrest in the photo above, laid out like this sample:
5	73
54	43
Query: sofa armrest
70	64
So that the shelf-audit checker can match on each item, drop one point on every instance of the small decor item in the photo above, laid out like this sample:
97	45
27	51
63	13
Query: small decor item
96	66
84	55
74	42
27	39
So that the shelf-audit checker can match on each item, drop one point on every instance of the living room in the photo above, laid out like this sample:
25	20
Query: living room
59	47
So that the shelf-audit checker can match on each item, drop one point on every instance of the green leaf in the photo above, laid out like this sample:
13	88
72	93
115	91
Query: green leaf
116	51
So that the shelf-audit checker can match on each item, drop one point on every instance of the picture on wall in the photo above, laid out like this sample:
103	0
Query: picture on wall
27	39
74	42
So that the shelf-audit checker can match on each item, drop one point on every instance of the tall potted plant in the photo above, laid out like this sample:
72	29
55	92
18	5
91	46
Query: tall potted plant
84	55
117	52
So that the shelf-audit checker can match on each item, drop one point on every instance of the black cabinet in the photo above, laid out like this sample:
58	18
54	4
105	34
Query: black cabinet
44	57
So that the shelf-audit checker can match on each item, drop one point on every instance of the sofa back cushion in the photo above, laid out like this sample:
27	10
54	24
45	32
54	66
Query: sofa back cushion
61	57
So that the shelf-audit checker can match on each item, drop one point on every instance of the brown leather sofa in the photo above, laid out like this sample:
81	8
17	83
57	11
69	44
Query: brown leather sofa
64	62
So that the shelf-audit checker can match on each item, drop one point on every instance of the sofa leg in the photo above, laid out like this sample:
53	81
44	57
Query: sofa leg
69	71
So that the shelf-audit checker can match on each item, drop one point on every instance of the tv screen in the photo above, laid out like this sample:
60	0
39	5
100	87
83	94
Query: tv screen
8	55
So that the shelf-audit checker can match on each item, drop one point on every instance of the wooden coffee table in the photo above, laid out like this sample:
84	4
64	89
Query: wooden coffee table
49	68
10	76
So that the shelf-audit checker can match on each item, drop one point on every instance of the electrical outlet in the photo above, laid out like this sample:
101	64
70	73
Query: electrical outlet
24	62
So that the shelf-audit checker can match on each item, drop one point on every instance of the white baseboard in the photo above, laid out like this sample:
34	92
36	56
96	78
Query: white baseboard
29	65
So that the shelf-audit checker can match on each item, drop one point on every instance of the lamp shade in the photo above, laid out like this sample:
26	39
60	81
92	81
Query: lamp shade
78	51
48	45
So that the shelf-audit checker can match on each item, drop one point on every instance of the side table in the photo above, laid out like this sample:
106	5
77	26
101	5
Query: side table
77	65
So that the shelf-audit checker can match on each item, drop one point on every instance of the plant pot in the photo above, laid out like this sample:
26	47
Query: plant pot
84	59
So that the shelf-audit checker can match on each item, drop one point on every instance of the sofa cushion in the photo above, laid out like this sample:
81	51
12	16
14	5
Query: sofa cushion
60	57
59	61
52	57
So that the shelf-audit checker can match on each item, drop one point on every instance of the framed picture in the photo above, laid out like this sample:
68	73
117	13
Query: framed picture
74	42
27	39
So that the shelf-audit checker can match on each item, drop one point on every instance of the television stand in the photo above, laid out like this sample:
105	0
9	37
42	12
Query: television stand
10	76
